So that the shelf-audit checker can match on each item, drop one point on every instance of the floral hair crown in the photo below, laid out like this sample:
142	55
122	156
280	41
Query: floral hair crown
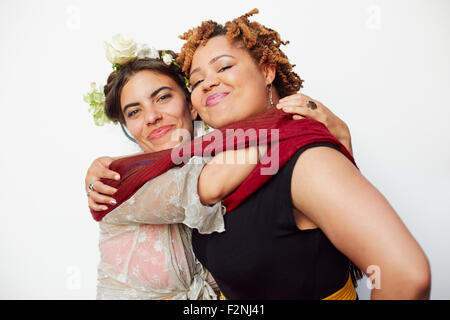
119	51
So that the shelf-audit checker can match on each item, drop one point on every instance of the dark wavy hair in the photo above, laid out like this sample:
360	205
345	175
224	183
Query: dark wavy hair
117	80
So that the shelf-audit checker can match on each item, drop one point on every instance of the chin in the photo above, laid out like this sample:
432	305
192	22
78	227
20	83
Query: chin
214	124
218	121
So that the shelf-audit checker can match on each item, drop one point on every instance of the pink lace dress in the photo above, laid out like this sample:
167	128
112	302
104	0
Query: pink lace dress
145	243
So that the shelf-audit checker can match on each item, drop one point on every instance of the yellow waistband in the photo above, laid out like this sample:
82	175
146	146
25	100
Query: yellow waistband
347	292
221	296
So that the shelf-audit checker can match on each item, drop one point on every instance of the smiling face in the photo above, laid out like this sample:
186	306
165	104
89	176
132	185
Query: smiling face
227	84
154	107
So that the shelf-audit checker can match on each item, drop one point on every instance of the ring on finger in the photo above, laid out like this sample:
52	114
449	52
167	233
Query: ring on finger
312	105
91	185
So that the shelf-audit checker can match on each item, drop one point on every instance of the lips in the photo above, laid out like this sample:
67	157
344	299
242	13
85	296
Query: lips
160	132
214	99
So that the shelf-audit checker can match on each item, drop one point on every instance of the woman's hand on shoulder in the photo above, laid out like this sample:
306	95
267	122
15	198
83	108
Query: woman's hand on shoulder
298	106
100	195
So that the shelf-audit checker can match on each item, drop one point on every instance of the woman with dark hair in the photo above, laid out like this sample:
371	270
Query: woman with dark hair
306	231
140	260
145	242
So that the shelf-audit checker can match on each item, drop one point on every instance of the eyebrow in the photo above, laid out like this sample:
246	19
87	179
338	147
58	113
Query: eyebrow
154	93
212	61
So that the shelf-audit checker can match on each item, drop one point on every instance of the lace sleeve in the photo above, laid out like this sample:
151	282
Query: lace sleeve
171	198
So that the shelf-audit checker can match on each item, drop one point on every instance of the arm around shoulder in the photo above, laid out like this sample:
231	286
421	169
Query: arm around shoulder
225	172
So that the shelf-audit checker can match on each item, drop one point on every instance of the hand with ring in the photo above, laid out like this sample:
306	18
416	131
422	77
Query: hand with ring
91	187
301	106
99	194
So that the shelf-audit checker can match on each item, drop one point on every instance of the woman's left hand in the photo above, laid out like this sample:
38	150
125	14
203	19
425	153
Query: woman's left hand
297	104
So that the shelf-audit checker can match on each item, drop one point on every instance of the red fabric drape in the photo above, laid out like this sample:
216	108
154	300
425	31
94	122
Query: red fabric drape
281	132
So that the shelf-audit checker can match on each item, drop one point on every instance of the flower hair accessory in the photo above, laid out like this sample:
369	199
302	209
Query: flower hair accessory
119	51
96	100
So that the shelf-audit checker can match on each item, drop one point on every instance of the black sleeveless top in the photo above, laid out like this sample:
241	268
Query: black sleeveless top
263	255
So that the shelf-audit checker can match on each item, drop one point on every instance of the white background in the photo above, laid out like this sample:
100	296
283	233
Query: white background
382	66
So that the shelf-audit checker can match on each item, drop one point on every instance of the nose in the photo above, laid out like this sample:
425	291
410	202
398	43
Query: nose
210	82
152	115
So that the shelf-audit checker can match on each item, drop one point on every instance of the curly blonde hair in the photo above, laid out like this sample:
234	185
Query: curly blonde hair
262	43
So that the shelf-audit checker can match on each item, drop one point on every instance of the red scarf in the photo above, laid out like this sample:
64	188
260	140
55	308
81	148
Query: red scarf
135	171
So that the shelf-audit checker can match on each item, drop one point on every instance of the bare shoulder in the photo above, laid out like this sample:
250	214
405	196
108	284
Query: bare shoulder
330	191
323	167
323	157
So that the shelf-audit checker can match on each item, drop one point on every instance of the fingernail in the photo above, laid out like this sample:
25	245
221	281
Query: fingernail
113	202
104	208
117	177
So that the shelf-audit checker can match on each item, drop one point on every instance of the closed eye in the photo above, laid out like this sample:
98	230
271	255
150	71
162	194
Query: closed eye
196	84
224	68
220	70
164	97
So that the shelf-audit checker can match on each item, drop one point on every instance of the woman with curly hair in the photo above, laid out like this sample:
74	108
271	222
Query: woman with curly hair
294	237
306	231
145	245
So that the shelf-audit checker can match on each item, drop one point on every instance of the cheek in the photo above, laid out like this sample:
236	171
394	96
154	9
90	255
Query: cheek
180	114
236	77
256	91
196	100
134	127
246	81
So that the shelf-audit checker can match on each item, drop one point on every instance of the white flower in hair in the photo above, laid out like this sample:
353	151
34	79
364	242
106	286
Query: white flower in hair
146	52
167	58
154	54
143	51
120	50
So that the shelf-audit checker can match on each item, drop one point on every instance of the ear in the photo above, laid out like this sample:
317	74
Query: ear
269	73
